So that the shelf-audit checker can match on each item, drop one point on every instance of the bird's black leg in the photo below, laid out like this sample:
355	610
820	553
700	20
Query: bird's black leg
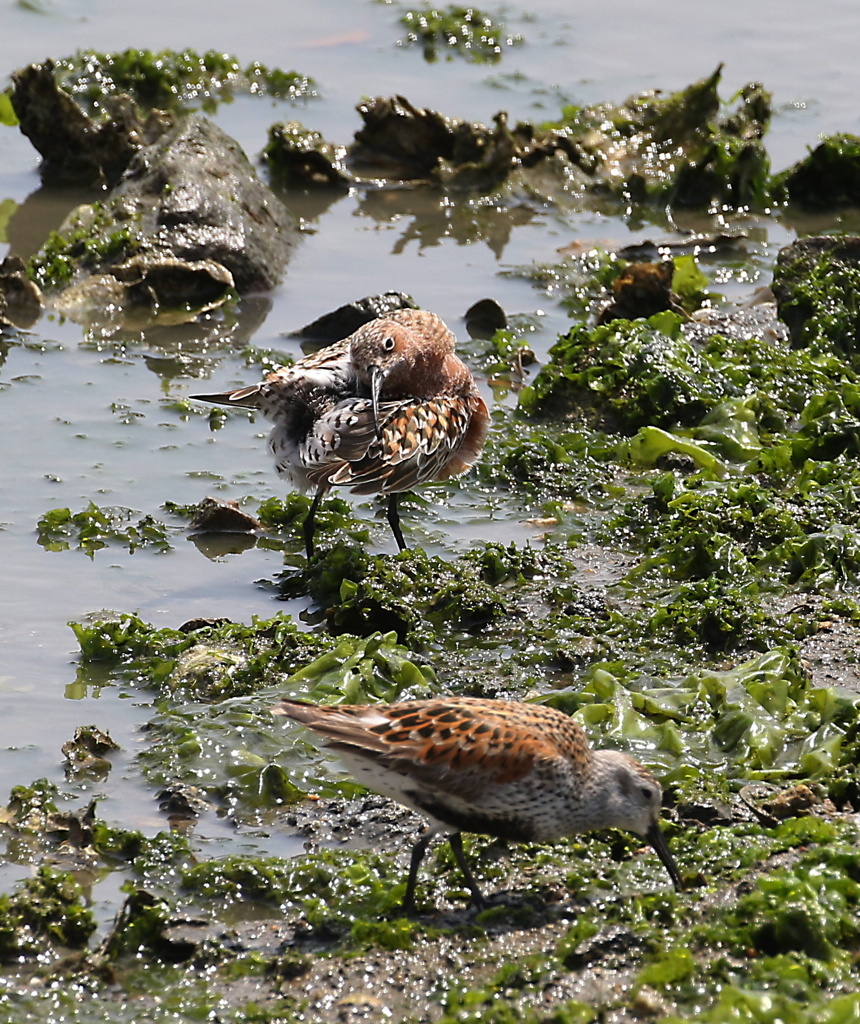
456	841
394	520
310	523
418	851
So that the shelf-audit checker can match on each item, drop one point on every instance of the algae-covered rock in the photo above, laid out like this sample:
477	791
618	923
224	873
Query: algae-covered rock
76	148
675	148
48	911
816	281
682	149
829	177
171	79
89	114
302	156
189	223
626	375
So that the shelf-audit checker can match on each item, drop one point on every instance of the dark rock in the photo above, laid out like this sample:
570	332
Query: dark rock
75	149
192	625
404	139
201	200
213	515
695	244
484	318
21	300
341	322
74	828
641	290
86	752
612	946
303	157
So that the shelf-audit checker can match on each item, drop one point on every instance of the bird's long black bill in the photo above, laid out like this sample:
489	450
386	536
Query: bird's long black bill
377	378
657	840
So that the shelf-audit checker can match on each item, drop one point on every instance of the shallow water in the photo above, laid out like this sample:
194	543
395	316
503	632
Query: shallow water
88	417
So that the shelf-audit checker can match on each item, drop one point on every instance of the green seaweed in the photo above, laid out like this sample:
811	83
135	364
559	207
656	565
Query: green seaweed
716	476
94	528
48	909
171	78
760	720
83	245
816	284
334	518
629	374
467	31
7	111
148	655
353	898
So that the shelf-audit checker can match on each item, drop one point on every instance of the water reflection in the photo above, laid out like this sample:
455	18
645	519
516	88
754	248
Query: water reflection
433	216
187	349
42	212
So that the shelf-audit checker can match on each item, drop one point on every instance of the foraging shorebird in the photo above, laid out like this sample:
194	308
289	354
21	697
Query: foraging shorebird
519	771
386	409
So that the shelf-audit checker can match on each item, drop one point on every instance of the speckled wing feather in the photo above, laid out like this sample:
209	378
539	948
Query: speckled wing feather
416	443
327	371
454	746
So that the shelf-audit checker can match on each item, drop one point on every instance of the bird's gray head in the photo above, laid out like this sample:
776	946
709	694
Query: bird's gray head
633	800
632	796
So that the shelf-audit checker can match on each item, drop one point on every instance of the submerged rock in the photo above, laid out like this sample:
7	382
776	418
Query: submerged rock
86	752
213	515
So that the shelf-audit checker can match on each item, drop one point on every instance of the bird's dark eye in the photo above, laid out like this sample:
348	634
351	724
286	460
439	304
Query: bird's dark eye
388	344
646	793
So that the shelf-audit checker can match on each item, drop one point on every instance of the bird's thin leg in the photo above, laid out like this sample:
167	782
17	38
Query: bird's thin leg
310	523
394	520
456	841
418	851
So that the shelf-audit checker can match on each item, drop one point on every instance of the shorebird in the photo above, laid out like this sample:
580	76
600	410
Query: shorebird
386	409
523	772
